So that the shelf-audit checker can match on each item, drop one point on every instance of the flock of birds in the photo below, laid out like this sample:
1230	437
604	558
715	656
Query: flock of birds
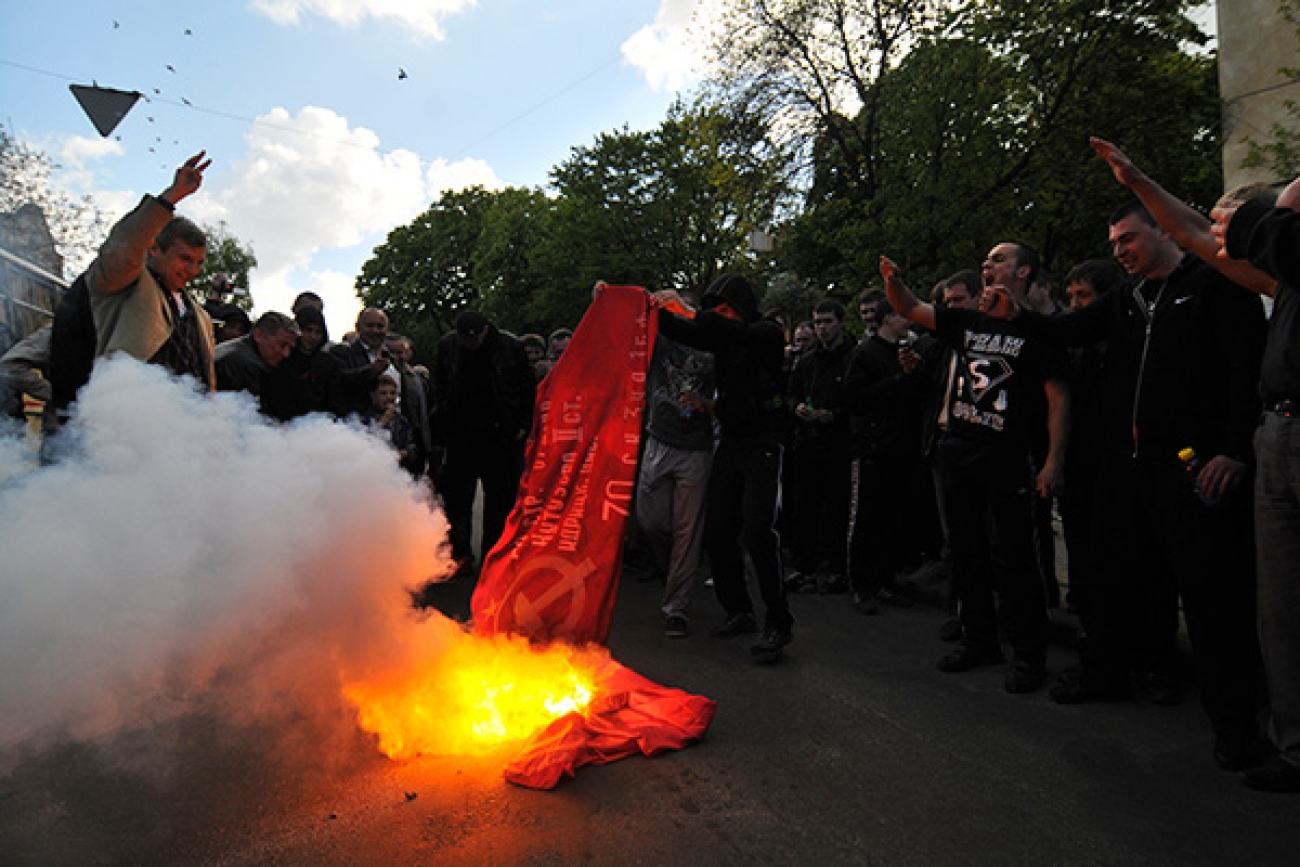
157	92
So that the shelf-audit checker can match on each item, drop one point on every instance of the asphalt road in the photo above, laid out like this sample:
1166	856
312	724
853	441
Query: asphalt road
854	750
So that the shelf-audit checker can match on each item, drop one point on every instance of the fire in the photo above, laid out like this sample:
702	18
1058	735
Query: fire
480	692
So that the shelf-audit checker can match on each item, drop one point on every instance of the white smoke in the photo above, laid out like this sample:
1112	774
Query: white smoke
187	552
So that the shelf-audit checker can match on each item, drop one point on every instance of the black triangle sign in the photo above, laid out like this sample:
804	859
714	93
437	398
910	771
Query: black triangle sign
103	105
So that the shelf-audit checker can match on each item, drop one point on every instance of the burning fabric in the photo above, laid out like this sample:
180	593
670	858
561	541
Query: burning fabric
551	581
186	555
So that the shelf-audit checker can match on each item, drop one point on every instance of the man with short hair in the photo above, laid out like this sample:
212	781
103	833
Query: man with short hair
363	360
1005	385
820	480
133	298
484	392
883	403
244	363
1182	358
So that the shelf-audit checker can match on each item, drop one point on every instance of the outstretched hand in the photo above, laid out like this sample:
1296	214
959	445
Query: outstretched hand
1125	171
888	269
189	177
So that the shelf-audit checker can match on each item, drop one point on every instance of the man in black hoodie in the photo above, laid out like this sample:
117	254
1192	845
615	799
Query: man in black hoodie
740	510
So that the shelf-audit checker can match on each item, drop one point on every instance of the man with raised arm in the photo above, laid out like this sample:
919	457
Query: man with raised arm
990	479
1269	238
132	299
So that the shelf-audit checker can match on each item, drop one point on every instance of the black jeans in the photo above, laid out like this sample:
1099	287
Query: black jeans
498	467
740	518
989	501
1154	541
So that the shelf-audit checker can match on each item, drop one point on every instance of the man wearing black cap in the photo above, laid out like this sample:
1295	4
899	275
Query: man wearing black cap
484	389
740	510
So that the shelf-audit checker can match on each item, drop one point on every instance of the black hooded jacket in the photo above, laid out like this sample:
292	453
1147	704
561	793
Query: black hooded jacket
748	355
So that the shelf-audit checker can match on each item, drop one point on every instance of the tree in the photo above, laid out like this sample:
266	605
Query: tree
665	208
226	254
77	224
976	130
423	273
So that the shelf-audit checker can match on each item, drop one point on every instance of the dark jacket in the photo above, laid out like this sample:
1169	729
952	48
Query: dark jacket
511	381
240	366
818	378
1187	380
1270	239
748	355
355	377
884	403
305	383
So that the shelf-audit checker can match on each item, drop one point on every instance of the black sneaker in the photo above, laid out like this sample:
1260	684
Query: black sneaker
951	630
1023	677
1277	775
769	647
968	656
1078	685
676	626
865	604
800	582
1237	752
736	624
834	585
893	597
1159	689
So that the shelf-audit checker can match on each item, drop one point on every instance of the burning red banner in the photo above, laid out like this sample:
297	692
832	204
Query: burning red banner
554	573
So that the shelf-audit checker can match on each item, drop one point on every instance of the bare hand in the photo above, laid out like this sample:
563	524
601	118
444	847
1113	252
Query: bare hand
1125	172
908	359
1049	481
1220	475
189	177
997	301
1220	219
888	269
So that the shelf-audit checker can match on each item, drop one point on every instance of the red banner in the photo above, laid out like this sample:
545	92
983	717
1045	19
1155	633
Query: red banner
554	573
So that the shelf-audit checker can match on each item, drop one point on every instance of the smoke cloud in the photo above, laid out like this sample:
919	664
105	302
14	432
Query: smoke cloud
184	554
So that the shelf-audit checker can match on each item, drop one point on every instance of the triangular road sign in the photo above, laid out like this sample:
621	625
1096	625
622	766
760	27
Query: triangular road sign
103	105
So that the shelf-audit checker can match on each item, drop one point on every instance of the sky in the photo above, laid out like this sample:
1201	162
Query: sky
319	146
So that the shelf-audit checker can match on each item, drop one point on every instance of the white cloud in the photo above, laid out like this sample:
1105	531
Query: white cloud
308	183
445	177
671	51
422	17
78	150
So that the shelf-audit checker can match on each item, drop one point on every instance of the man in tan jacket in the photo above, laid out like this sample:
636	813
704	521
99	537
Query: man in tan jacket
135	295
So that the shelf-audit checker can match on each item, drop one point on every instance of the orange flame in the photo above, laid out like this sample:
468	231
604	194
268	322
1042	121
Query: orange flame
480	693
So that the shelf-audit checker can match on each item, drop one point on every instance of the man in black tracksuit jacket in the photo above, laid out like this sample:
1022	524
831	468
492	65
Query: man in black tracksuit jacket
740	512
1183	349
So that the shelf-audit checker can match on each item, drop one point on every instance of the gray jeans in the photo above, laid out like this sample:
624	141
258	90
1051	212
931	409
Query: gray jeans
1277	541
670	510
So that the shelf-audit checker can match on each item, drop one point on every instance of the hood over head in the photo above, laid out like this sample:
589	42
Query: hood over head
734	290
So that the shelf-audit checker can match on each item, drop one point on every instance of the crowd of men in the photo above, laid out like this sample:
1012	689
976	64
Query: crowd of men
1148	411
1159	411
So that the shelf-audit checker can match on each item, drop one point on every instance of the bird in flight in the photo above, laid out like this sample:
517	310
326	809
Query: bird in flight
171	68
401	73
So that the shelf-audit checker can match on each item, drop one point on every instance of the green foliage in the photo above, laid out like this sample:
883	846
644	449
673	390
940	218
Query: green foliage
979	134
226	254
670	207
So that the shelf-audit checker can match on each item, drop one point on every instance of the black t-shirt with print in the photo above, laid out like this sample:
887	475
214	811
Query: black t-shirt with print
998	396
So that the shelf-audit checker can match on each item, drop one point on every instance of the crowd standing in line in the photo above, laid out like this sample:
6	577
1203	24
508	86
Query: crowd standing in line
1147	407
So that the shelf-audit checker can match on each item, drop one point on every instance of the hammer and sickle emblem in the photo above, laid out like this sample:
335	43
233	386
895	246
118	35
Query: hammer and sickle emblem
571	582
